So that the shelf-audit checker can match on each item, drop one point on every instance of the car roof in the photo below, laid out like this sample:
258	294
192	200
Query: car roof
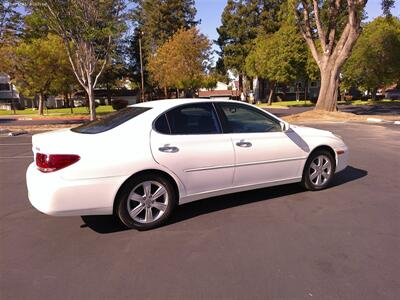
169	103
160	106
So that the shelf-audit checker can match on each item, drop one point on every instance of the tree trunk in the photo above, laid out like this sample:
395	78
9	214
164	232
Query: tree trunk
90	94
108	94
165	92
373	94
71	102
68	102
261	87
328	93
240	83
271	92
305	90
41	103
12	97
245	86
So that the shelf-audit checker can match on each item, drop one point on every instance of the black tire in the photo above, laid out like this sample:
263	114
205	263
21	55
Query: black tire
123	203
312	184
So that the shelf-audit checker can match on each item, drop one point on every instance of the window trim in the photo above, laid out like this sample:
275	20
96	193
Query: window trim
221	130
224	120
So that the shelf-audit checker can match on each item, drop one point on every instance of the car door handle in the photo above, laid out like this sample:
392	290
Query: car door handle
168	149
244	144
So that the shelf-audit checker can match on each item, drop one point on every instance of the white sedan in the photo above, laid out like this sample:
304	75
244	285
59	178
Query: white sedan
141	162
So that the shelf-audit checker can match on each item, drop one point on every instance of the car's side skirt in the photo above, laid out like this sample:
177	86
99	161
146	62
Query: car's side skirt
237	189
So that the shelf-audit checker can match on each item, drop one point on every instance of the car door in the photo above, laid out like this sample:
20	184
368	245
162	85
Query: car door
264	153
188	140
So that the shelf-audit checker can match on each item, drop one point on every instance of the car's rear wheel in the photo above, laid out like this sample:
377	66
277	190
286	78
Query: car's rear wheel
318	171
146	202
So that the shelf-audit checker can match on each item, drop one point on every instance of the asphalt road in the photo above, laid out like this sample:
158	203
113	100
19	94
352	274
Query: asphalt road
275	243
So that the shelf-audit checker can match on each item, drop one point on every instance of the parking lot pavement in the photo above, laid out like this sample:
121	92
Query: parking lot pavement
274	243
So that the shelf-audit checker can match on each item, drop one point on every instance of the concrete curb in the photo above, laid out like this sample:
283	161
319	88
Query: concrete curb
376	120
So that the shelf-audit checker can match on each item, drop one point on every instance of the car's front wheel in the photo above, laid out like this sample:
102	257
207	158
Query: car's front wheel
146	202
318	171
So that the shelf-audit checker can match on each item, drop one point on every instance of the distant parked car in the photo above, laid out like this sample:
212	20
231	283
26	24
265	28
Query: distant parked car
118	104
142	161
393	94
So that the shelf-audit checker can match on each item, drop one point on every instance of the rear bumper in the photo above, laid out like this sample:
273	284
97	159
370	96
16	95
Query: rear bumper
51	194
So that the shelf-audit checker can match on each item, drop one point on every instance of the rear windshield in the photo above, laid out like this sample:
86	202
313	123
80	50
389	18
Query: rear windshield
110	121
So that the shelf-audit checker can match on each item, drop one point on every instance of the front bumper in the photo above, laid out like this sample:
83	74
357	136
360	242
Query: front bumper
342	158
53	195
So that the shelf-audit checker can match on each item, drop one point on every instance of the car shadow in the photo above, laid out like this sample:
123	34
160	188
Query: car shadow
110	224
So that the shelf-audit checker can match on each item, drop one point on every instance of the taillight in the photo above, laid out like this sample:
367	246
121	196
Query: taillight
47	163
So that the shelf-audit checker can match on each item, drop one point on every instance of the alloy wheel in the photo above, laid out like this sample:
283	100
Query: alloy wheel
320	170
147	202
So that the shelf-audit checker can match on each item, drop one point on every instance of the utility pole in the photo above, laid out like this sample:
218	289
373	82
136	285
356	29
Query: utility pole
141	66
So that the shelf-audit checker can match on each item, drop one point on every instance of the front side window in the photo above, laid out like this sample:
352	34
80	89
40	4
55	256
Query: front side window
241	118
110	121
199	118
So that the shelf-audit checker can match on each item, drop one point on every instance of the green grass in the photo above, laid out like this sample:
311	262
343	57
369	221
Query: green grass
59	112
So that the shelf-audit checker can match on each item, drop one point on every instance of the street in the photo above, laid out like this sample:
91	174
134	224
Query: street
273	243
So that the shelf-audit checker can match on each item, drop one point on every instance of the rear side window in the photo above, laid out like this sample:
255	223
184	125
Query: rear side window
110	121
199	118
161	125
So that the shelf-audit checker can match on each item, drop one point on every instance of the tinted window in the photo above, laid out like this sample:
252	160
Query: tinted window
241	118
110	121
161	125
199	118
4	87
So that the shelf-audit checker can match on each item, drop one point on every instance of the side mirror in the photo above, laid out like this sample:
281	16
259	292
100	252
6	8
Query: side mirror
284	126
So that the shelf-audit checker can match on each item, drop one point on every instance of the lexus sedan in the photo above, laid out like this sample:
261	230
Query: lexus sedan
142	161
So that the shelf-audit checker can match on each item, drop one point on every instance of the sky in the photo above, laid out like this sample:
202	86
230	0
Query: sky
209	12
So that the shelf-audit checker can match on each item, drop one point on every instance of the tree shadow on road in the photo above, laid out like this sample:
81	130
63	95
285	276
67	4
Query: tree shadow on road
388	109
110	224
7	120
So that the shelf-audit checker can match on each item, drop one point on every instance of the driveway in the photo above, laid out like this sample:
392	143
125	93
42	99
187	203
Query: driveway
274	243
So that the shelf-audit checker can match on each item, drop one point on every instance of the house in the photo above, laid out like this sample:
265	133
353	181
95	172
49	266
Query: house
9	96
221	91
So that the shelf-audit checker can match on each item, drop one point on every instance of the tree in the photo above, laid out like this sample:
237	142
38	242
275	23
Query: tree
336	25
39	64
375	60
155	22
242	20
88	30
181	62
115	70
280	57
10	20
10	27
